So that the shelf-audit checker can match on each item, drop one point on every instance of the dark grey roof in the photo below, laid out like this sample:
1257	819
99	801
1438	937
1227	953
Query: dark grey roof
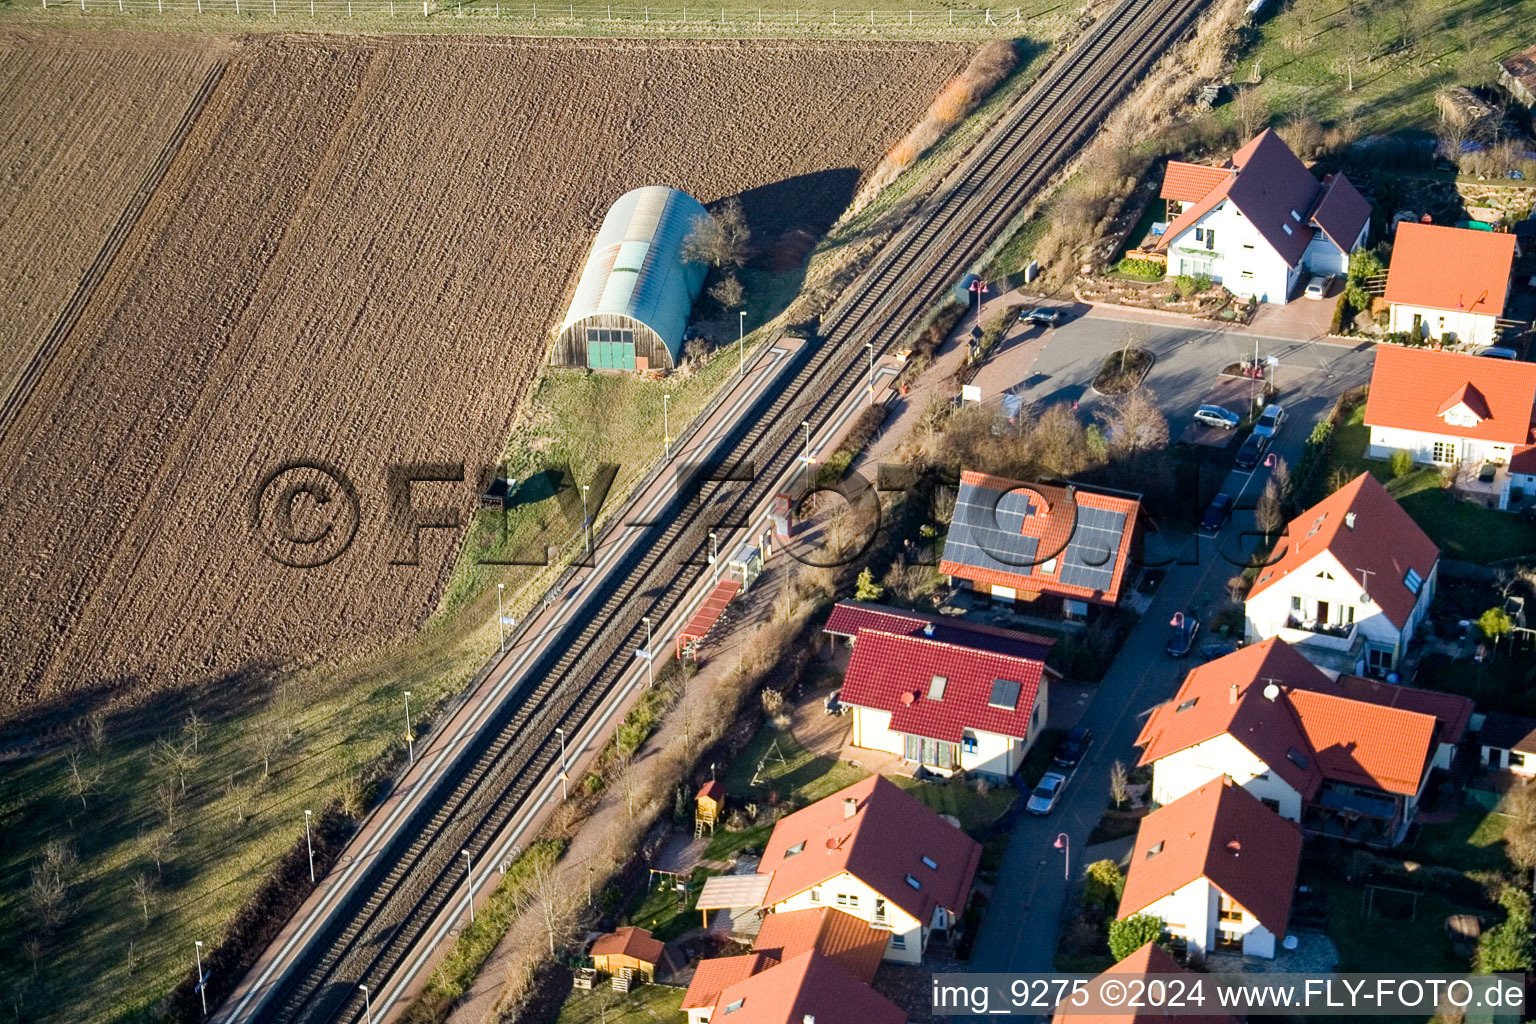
1508	732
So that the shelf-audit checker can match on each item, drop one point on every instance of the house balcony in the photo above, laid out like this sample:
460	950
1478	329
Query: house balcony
1485	483
1330	635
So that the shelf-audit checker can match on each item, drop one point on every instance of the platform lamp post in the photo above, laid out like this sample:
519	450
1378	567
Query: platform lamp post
410	737
650	657
310	847
1065	846
666	423
807	425
469	886
871	347
202	989
714	548
741	341
367	1005
564	776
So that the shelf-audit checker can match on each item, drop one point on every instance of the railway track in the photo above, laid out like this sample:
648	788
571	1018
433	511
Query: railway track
416	874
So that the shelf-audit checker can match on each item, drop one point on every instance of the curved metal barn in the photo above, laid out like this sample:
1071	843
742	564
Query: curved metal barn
632	302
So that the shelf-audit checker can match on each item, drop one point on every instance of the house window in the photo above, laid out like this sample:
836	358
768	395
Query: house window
1246	275
797	848
1378	660
1229	942
898	941
913	882
1187	705
968	743
1229	911
1413	581
936	687
1155	849
732	1007
1296	216
1199	234
1444	451
815	894
1287	229
1299	759
929	862
1296	602
1034	718
1516	760
879	911
935	753
1273	805
847	899
1210	238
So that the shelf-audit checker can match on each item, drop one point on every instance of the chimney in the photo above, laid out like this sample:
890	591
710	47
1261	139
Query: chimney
1232	694
850	806
1349	520
809	1018
927	631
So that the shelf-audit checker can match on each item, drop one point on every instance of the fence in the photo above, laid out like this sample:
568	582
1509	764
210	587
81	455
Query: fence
555	15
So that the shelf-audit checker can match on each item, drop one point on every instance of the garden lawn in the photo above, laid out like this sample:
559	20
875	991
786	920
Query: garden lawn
657	911
1381	943
1472	841
648	1004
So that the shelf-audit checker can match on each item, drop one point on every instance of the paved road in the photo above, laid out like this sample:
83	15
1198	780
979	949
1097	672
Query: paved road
1020	929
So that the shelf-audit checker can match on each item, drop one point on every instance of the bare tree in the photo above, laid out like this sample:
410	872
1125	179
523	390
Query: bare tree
1269	514
544	889
168	802
1119	783
194	729
269	739
143	892
1249	112
83	777
159	846
176	760
48	891
1137	425
729	292
239	797
720	239
96	731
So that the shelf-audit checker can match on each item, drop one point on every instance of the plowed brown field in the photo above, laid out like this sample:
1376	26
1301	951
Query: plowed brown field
356	257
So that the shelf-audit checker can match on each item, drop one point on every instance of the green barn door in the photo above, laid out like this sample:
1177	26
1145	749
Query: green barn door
605	350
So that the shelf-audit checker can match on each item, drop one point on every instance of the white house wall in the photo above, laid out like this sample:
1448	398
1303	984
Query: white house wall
1498	758
1458	325
1242	260
1421	445
1185	771
1193	912
852	896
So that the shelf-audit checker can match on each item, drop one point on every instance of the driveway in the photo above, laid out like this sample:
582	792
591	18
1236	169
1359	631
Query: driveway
1020	929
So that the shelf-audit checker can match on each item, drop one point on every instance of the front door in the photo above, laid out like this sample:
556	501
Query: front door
1322	613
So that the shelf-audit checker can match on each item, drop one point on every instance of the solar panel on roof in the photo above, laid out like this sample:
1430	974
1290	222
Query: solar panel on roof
1091	553
1005	694
984	532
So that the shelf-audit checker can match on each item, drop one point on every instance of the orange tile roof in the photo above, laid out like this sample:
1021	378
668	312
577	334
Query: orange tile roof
809	986
1409	385
1377	552
714	976
1310	731
852	943
1226	835
1190	183
882	844
1452	712
1450	268
1150	959
629	941
1055	524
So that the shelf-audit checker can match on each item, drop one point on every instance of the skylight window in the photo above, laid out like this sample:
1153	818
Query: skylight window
1287	229
734	1006
930	862
1005	694
1187	705
1413	581
936	687
1299	759
1296	216
1317	524
797	848
1155	849
914	883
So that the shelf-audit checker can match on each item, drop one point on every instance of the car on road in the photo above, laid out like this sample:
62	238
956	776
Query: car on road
1216	513
1217	416
1181	635
1072	749
1317	288
1219	649
1043	315
1270	420
1252	451
1042	799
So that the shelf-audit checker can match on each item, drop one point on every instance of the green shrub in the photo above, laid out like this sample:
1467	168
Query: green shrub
1185	285
1203	283
868	589
1340	314
1147	270
1105	884
1507	946
1129	935
1402	462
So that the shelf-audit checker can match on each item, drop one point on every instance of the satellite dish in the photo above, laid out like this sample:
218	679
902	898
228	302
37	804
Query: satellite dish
1365	598
1271	691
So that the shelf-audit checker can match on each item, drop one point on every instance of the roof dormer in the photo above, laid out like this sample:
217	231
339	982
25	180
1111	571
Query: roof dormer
1466	407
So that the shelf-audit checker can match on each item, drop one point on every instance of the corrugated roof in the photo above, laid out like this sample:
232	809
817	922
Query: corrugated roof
723	892
635	267
1408	385
882	843
1226	835
896	673
1377	551
1450	268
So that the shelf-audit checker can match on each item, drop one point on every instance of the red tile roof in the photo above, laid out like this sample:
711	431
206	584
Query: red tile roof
895	673
1150	959
1377	551
810	985
1523	460
853	944
1410	385
1450	711
1450	268
848	617
1224	834
1190	183
1341	211
1063	546
882	844
629	941
1268	184
714	789
714	976
1308	733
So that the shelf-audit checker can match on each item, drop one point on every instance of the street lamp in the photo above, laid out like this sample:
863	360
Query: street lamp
650	680
1065	846
410	737
585	522
469	886
310	847
367	1004
564	793
871	347
666	422
741	341
202	989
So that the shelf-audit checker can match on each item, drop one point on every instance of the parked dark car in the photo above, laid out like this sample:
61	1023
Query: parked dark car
1181	635
1216	513
1073	748
1220	649
1252	451
1044	315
